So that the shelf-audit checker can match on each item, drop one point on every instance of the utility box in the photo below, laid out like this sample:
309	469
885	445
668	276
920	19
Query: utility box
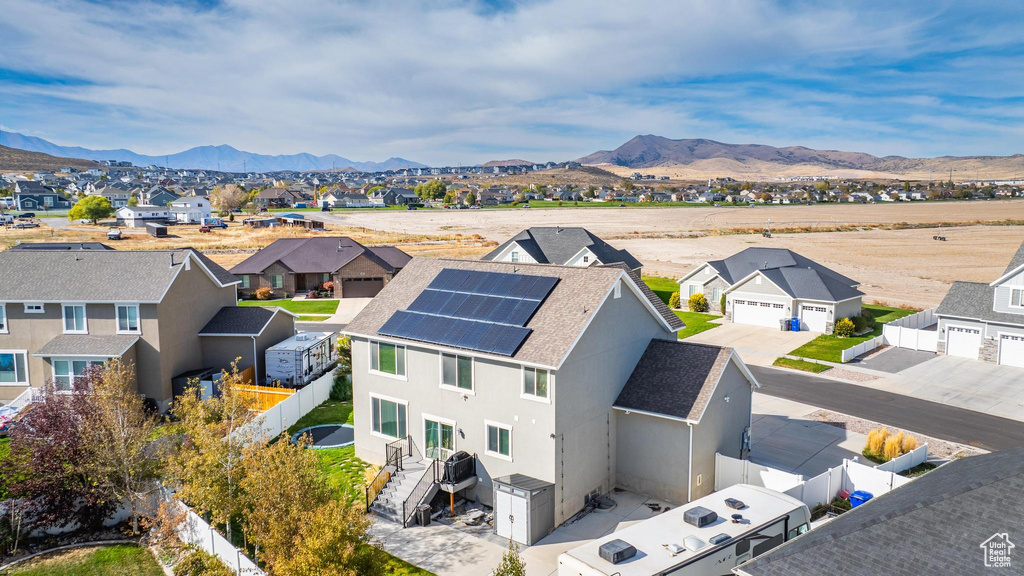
302	358
524	508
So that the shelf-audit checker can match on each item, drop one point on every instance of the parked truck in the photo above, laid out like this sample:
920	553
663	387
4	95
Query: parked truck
302	358
212	223
707	537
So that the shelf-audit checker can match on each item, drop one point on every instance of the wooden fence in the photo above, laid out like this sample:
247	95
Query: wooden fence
265	397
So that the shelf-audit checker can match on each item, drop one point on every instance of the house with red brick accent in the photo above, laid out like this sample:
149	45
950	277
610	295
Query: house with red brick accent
292	266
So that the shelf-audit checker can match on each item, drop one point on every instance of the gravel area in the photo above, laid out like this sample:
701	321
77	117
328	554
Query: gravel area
937	449
851	375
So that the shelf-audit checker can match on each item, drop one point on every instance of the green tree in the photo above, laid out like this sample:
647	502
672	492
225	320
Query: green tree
471	198
133	201
450	198
511	563
433	190
91	208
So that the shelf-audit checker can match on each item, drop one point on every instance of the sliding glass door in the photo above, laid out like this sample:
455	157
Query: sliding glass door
438	439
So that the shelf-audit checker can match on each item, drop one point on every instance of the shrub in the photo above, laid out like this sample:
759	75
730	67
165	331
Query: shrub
673	300
328	286
263	293
893	445
876	441
721	304
860	324
869	320
909	444
698	303
201	563
844	328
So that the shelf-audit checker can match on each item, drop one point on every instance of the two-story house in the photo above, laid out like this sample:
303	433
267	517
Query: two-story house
570	246
571	376
986	321
190	209
167	311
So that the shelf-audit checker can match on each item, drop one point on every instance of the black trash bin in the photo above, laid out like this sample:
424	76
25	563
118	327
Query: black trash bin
423	515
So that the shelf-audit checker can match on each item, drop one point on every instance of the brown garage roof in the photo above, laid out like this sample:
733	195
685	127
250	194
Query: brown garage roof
316	255
555	326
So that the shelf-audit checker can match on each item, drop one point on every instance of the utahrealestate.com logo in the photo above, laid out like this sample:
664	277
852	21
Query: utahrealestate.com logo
997	550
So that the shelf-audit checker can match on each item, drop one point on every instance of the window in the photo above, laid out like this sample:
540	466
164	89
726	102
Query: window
586	259
801	529
127	318
13	367
535	382
245	281
716	294
515	256
693	289
67	374
499	440
388	417
1017	297
768	544
757	280
325	278
387	358
3	319
276	281
74	319
457	372
34	309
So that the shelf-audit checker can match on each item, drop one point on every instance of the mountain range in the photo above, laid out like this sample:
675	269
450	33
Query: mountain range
223	158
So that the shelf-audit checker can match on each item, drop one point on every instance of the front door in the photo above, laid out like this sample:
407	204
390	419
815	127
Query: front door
439	439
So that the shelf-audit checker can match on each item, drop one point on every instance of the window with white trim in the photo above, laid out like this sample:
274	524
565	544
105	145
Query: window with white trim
1017	297
3	319
74	319
716	294
245	281
499	440
276	281
693	289
34	308
515	256
586	259
535	382
69	373
13	367
388	417
457	371
128	318
387	358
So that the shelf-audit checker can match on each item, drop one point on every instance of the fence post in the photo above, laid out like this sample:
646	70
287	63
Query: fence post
238	561
213	547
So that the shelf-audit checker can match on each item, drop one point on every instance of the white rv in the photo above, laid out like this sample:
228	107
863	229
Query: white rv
707	537
302	358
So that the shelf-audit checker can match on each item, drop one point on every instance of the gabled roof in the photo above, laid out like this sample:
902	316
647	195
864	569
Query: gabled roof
797	276
1016	264
933	525
558	245
240	321
97	275
555	327
675	379
974	300
666	313
314	255
61	246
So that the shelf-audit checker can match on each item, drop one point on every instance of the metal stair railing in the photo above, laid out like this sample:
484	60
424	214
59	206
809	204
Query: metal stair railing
429	479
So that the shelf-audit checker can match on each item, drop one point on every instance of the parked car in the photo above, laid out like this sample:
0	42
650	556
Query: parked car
204	229
114	234
526	205
28	224
325	209
411	207
474	207
26	215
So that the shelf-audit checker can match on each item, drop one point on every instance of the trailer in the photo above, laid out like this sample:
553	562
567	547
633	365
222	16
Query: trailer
707	537
156	230
302	358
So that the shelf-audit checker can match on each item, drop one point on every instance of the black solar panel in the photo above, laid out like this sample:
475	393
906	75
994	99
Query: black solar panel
475	310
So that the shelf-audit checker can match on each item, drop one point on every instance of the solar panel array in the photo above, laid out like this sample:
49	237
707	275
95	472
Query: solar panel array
471	309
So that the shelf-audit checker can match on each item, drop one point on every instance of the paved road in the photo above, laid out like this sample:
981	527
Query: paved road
929	418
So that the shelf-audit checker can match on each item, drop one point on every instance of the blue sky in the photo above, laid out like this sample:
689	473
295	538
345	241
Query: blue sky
449	82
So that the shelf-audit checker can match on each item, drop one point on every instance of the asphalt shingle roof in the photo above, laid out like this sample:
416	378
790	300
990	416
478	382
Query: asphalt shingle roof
239	320
797	276
61	246
933	525
557	245
111	346
94	275
663	310
1017	261
313	255
674	378
974	300
555	325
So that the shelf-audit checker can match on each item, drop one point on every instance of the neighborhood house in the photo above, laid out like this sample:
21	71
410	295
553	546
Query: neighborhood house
558	245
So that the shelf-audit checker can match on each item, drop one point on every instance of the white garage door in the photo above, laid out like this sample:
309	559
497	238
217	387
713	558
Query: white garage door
963	342
813	318
757	313
1011	350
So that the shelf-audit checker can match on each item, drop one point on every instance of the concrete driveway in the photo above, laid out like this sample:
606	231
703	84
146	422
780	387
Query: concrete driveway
756	344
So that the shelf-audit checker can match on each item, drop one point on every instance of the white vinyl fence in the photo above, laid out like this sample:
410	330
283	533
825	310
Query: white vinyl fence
287	412
197	532
907	332
821	489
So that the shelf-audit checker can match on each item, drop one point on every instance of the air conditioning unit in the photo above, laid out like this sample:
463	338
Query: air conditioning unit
699	516
616	551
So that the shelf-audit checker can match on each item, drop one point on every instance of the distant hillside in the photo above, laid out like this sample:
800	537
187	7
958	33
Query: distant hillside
494	163
15	160
698	156
224	158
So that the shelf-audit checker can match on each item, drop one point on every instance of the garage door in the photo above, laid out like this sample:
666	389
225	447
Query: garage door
361	287
757	313
813	318
1011	350
963	342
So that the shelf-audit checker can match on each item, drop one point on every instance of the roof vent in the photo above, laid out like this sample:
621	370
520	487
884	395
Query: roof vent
694	544
699	516
616	551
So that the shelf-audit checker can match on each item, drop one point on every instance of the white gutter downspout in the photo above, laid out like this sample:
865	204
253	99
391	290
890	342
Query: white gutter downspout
689	464
255	364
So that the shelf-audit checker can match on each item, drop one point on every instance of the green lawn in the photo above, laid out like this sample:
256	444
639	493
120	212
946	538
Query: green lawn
830	348
116	560
313	318
801	365
663	287
297	306
696	323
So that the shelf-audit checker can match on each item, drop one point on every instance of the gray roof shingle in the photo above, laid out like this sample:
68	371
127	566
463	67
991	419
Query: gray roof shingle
239	321
670	317
555	325
1017	261
557	245
111	346
797	276
674	378
933	525
314	255
974	300
65	246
